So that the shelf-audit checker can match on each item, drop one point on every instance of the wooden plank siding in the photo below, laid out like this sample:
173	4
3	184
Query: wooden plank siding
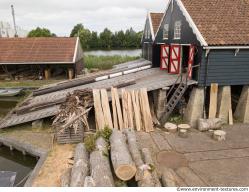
225	68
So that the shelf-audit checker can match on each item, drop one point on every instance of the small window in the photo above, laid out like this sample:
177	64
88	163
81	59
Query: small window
166	31
177	32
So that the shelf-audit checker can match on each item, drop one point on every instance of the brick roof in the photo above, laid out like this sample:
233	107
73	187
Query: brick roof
221	22
37	50
156	20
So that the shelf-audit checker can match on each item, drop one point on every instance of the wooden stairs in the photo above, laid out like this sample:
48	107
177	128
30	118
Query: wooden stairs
174	100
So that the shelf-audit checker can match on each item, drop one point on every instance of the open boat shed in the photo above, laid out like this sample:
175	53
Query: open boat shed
42	57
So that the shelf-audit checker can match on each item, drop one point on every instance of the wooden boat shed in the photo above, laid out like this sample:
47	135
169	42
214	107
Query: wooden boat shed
208	40
45	56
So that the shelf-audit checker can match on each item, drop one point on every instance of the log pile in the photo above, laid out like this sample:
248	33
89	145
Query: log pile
73	113
130	109
117	159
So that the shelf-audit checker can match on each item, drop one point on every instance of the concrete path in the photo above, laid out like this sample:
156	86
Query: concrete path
209	162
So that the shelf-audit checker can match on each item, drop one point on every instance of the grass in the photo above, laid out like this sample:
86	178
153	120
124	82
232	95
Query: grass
26	83
105	62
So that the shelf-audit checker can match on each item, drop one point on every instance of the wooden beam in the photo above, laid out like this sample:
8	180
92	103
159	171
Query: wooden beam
213	100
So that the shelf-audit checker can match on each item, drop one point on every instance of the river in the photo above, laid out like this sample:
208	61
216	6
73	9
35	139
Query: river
133	52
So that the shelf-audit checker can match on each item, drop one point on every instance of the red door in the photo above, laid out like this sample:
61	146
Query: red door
191	61
175	59
164	57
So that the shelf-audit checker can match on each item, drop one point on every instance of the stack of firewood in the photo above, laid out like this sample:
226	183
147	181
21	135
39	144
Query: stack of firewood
73	113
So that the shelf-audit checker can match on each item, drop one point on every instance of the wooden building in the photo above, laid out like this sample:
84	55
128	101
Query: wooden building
42	57
151	26
208	40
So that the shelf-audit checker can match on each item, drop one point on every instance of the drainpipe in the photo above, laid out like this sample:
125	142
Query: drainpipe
205	82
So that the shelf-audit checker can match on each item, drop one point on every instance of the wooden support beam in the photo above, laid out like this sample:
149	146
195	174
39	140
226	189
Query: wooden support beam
213	100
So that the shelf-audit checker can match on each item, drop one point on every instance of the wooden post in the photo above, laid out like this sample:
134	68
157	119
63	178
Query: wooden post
47	73
213	100
70	73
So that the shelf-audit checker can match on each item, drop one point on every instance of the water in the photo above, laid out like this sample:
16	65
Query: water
132	53
6	104
15	161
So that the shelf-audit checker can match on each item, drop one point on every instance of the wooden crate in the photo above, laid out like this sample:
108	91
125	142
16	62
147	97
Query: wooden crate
69	136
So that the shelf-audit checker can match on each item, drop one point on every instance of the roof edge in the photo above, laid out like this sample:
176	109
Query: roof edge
151	26
192	24
76	49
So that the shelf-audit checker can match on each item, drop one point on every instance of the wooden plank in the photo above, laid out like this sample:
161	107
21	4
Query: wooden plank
230	117
137	112
118	107
213	100
114	110
106	108
125	108
130	112
146	114
100	123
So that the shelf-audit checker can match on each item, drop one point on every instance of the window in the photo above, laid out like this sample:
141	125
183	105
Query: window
177	32
166	31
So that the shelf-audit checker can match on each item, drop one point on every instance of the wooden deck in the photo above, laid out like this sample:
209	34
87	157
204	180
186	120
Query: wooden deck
152	79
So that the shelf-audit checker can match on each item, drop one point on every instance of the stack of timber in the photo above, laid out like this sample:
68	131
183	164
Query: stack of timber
71	121
114	159
132	111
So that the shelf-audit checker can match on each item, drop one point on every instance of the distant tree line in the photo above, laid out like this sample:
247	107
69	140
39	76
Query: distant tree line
107	39
92	40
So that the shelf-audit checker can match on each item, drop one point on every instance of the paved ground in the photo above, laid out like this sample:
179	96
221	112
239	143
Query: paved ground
201	161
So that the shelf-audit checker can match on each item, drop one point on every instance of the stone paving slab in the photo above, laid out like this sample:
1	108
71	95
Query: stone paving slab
214	155
237	137
196	142
160	141
224	172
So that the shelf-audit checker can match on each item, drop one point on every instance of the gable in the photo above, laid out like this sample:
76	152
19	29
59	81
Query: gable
172	15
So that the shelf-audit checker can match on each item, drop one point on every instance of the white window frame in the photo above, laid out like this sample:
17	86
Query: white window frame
166	31
177	30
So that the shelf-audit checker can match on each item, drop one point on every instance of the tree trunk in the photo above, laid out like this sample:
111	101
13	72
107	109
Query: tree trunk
209	124
100	165
65	178
149	161
143	175
168	178
89	182
121	159
81	166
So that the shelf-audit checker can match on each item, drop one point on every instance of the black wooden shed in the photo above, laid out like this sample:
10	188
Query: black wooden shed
208	40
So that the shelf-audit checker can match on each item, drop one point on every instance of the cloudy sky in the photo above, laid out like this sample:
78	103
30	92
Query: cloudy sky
61	15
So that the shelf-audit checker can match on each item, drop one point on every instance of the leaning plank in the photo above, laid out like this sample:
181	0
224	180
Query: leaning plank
146	114
114	110
125	108
123	164
213	100
136	110
149	161
130	112
100	166
100	123
106	108
143	175
118	107
81	167
230	117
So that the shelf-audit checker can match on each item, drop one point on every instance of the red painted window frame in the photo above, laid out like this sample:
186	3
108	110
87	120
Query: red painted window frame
178	59
164	58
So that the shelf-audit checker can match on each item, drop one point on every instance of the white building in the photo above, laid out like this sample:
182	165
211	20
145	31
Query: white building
6	30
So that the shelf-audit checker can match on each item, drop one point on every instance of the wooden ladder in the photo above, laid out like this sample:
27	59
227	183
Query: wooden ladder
174	100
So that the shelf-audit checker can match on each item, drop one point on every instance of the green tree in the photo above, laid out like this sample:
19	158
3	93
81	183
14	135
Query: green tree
41	32
77	28
106	38
94	42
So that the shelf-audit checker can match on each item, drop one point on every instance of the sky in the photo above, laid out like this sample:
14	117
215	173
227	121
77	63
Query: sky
61	15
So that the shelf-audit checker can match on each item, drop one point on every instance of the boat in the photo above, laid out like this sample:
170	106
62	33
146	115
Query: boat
7	178
9	92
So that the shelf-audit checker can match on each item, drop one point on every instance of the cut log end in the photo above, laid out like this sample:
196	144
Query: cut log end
125	172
